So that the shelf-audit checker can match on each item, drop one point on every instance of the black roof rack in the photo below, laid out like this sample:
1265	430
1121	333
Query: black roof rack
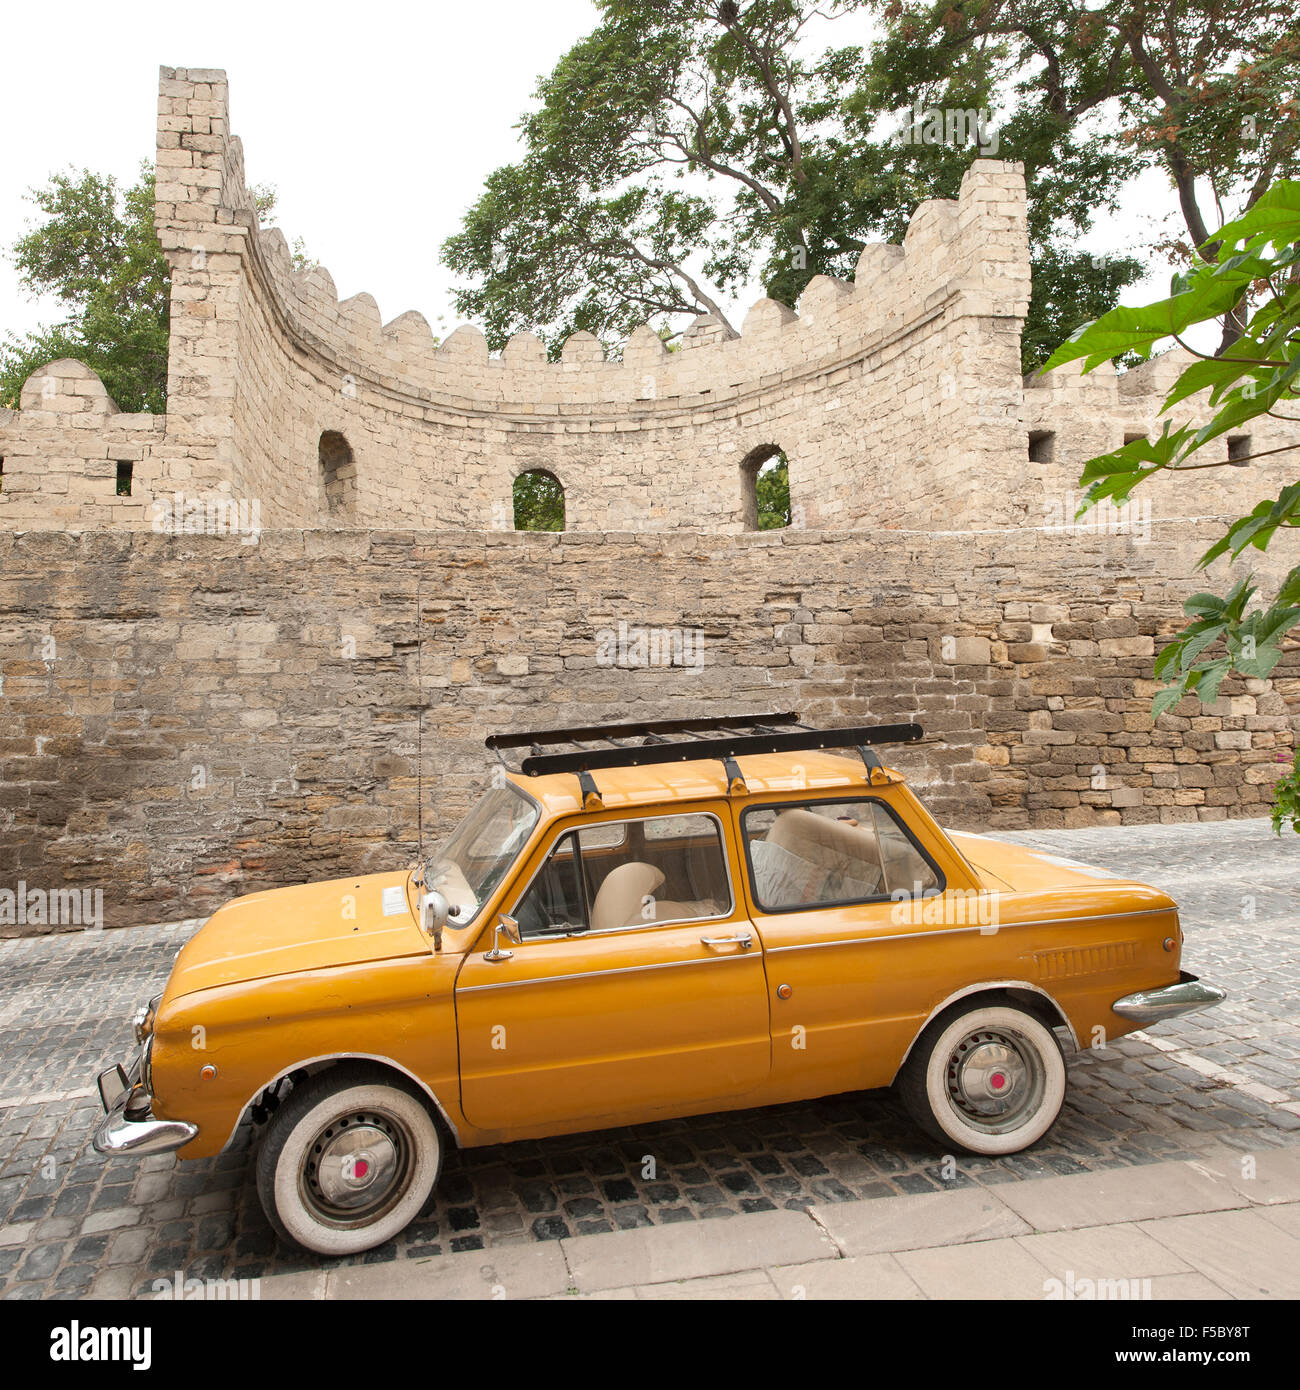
648	744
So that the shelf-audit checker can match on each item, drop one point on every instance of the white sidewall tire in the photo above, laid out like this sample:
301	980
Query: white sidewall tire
950	1120
301	1223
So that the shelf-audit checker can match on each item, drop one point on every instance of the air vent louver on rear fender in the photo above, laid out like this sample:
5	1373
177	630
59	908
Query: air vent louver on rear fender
1085	960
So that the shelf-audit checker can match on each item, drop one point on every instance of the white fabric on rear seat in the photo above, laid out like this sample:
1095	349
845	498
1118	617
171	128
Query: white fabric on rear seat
807	858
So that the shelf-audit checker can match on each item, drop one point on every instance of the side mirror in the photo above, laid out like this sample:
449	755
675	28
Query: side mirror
509	928
433	916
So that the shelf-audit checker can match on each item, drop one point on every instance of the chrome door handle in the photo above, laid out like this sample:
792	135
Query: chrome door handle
744	941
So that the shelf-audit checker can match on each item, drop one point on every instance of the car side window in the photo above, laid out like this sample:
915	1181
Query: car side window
554	902
820	853
611	876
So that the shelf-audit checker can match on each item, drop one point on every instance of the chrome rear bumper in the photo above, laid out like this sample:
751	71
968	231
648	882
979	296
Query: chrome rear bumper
1152	1005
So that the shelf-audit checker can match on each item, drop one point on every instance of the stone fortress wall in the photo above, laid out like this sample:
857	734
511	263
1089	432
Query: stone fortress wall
184	717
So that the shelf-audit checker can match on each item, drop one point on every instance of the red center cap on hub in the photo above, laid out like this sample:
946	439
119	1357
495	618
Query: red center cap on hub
361	1168
997	1081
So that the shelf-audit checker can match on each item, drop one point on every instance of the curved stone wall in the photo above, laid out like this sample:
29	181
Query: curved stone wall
654	441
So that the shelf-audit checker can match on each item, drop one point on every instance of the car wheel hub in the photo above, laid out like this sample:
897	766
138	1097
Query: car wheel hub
991	1071
356	1167
995	1080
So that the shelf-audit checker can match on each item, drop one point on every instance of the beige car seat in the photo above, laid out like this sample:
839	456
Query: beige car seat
621	899
626	899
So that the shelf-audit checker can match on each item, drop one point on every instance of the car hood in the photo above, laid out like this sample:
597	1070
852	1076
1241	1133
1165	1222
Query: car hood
344	921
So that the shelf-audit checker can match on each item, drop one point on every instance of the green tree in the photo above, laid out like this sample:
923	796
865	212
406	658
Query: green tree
97	254
797	159
1250	278
1205	90
539	502
772	490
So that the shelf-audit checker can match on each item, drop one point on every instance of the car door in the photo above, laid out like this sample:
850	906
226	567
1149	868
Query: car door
636	987
840	892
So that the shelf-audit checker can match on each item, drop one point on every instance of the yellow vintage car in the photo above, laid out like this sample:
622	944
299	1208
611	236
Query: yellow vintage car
639	922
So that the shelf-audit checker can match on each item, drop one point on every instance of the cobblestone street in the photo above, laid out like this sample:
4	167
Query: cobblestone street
77	1225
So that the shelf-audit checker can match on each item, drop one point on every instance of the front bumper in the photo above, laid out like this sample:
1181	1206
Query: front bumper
1153	1005
128	1126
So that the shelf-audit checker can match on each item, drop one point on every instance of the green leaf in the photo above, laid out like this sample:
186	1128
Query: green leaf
1261	665
1272	622
1275	216
1211	605
1166	658
1215	374
1211	676
1164	699
1193	647
1289	593
1138	329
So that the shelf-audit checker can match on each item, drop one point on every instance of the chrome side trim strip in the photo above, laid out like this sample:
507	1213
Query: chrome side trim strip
604	974
616	931
990	930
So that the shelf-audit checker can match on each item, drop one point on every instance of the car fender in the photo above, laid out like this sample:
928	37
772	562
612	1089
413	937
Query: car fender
425	1089
984	987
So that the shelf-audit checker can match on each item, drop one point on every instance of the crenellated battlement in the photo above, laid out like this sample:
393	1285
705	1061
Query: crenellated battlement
658	439
952	249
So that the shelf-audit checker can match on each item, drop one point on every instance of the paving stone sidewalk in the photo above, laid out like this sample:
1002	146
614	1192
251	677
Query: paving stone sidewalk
1215	1228
74	1225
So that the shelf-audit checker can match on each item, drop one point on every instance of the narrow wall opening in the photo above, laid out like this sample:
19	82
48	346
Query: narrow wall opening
1042	446
338	474
765	489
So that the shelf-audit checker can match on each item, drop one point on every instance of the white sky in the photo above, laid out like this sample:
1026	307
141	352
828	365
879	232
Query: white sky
377	124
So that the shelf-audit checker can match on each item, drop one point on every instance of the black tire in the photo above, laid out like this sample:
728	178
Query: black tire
987	1079
348	1160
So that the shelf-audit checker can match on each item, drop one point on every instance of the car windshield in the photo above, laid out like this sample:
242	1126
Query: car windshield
468	865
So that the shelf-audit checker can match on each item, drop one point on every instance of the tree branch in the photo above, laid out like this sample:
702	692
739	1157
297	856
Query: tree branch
1179	165
672	268
729	19
1228	463
701	154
